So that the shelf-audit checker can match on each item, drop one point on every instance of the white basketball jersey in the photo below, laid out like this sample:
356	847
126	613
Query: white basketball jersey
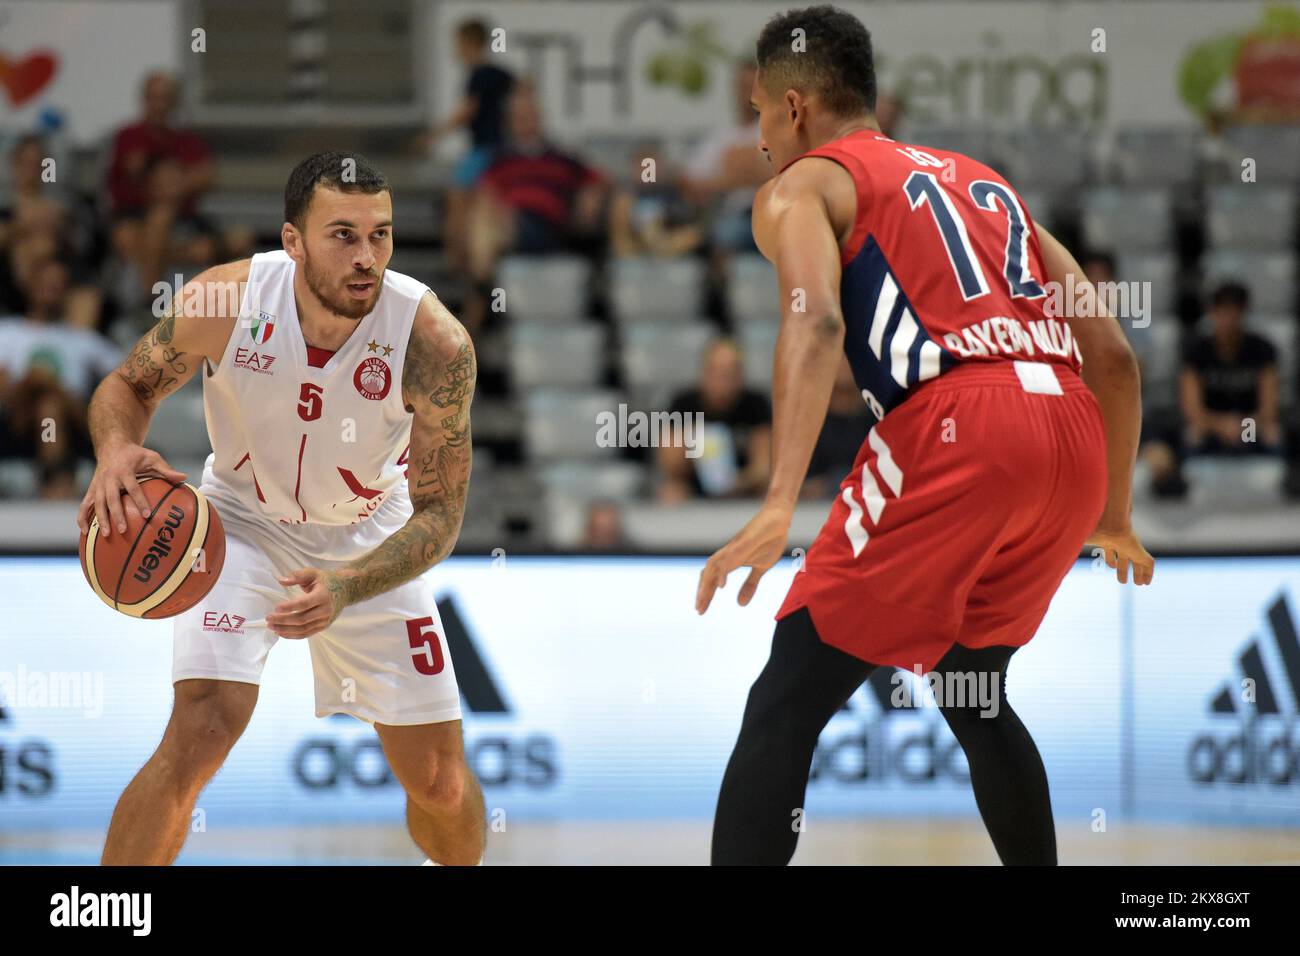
302	444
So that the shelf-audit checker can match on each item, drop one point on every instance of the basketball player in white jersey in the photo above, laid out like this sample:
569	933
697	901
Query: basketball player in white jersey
329	382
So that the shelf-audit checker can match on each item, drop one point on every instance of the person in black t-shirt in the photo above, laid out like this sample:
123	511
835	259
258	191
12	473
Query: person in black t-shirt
1230	379
735	447
481	112
842	435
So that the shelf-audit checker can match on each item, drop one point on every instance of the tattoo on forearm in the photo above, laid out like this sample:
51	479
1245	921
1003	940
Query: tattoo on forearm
438	479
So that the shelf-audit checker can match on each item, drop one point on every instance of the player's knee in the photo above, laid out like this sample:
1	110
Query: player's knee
444	791
204	728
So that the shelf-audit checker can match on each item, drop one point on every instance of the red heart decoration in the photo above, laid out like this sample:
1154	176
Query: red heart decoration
25	78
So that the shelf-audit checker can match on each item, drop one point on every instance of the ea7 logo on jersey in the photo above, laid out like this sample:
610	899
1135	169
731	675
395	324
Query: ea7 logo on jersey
223	622
257	361
373	379
260	328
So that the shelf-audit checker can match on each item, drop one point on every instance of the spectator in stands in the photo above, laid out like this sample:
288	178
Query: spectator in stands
604	530
48	370
1159	442
727	167
846	427
654	217
533	199
481	112
735	448
32	224
1229	382
139	148
157	174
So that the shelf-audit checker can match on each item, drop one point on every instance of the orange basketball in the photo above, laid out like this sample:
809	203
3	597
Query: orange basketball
164	564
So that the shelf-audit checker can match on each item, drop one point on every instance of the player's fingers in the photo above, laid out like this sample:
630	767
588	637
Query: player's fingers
84	511
305	627
1122	570
750	586
301	577
136	495
1145	571
113	496
298	605
710	581
156	463
101	511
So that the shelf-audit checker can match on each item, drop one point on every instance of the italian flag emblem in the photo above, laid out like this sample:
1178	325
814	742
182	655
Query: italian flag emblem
262	328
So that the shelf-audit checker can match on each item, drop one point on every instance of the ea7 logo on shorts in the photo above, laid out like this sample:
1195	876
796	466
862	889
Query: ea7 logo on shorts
373	379
223	622
256	361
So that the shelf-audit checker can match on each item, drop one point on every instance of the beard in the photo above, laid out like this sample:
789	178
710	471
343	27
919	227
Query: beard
336	299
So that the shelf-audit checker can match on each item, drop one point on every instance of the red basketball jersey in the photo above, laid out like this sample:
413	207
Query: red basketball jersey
943	267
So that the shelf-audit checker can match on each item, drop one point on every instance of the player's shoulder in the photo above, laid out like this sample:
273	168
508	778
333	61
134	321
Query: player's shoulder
216	292
439	345
404	286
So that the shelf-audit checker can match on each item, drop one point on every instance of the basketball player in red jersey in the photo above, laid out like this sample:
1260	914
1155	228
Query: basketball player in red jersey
990	466
329	380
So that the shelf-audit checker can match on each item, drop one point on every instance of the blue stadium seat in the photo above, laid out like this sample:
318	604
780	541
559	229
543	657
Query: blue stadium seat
552	355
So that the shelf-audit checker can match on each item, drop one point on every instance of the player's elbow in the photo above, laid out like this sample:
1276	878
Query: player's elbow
826	326
1116	361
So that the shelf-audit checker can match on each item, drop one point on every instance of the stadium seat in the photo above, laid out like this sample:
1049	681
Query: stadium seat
659	360
1252	216
559	356
648	289
586	481
17	478
1273	148
752	291
1127	219
1234	482
563	424
1045	158
545	288
1160	269
1156	156
1270	276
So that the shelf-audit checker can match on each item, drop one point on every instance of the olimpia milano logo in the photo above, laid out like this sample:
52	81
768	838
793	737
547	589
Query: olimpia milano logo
1264	745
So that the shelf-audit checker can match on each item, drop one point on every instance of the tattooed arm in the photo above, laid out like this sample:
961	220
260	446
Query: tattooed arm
162	361
437	385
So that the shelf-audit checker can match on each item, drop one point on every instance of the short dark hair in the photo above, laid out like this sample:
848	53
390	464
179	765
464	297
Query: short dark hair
1231	292
329	169
834	60
473	31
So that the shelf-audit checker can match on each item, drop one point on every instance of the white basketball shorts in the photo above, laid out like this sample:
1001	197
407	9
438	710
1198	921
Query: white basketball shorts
384	660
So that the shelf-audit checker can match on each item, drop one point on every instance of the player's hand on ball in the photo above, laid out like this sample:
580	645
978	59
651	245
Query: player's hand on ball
758	546
1122	548
311	612
115	477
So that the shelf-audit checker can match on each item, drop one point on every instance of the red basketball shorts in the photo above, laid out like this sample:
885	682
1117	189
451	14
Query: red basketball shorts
965	509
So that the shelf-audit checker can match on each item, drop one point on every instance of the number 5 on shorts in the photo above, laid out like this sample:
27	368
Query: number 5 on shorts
429	663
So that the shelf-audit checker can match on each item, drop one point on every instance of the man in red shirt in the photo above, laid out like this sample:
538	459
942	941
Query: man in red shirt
533	199
141	148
